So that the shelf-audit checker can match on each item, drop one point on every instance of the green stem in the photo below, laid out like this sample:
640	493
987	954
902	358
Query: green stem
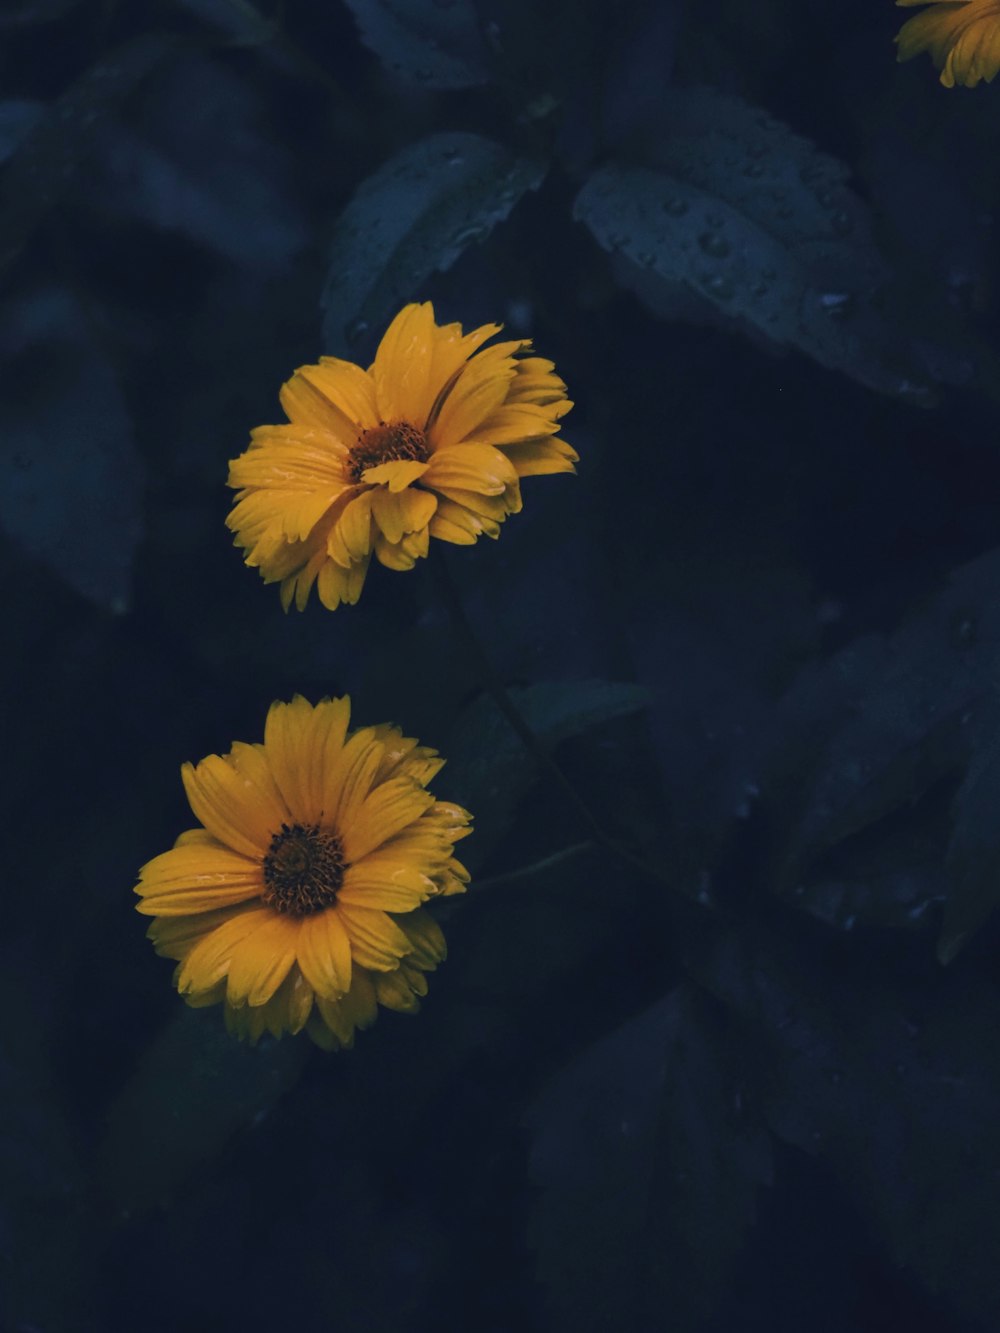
535	868
498	692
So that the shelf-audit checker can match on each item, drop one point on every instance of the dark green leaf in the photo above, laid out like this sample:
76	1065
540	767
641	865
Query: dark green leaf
242	20
648	1173
741	217
17	119
489	769
882	722
896	1086
194	1088
23	13
974	853
51	156
219	180
70	476
415	216
42	1202
435	45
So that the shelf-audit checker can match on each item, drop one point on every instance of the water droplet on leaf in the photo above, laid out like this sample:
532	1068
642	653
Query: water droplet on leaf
714	244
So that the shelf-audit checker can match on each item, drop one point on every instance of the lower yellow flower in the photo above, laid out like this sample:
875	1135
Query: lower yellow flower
431	440
962	36
297	903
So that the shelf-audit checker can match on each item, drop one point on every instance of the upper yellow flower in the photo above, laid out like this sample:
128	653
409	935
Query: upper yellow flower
963	37
297	902
430	441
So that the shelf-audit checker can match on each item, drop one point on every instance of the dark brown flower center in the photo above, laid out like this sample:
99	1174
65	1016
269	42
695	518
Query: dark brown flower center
303	870
388	442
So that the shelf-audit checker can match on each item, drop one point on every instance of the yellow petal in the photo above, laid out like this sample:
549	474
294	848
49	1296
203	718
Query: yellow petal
539	457
425	938
358	1009
324	954
238	806
208	962
385	883
376	941
351	777
175	936
350	538
303	746
260	961
402	366
197	878
479	390
394	990
398	514
335	584
472	467
346	393
384	812
397	474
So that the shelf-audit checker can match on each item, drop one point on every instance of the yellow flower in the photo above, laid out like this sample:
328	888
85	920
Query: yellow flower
962	36
297	902
430	441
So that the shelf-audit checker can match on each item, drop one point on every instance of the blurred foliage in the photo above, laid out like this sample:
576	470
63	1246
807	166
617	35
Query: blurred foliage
755	1088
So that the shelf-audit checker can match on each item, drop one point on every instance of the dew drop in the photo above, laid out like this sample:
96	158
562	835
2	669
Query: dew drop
837	305
966	631
714	244
355	331
720	287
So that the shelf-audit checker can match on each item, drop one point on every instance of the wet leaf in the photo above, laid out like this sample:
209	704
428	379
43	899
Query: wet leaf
974	852
895	1084
192	1090
218	179
882	722
23	13
41	1176
642	1158
242	20
49	159
489	770
434	45
18	118
414	216
739	216
70	476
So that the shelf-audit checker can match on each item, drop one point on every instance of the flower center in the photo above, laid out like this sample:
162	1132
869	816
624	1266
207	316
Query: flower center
303	870
388	442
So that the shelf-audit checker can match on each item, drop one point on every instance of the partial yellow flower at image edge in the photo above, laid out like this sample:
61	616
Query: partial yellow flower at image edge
963	38
432	440
298	901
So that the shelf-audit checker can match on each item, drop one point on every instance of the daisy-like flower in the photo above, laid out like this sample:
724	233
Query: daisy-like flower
297	903
430	441
962	36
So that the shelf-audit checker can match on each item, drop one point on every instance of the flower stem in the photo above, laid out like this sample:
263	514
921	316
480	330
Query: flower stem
498	692
535	868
